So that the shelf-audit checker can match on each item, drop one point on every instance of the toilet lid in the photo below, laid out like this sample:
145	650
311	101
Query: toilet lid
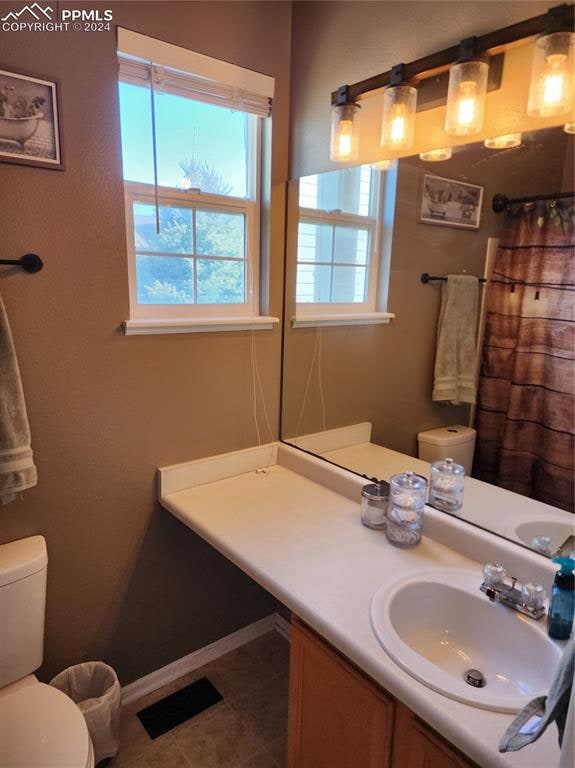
40	727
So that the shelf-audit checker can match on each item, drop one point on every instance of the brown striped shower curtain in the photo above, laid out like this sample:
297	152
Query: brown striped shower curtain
524	417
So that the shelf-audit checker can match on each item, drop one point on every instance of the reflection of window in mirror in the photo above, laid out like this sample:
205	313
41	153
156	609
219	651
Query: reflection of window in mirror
343	244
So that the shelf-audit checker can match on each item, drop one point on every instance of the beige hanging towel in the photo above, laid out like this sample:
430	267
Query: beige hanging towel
17	470
455	359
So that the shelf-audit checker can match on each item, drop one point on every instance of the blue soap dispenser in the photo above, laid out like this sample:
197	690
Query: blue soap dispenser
562	601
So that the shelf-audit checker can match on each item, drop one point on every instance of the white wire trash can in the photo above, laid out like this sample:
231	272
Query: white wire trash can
95	688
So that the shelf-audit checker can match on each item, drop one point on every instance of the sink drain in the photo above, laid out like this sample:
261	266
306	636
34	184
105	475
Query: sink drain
475	678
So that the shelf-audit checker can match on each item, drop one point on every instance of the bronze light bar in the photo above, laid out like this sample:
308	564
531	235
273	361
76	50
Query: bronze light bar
558	18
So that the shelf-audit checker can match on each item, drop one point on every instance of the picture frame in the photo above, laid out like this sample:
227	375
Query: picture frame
450	203
30	125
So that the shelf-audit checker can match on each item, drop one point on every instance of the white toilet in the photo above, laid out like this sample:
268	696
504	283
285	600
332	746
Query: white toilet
40	727
455	442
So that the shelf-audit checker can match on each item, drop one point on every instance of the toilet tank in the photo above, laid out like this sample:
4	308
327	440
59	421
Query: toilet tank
23	566
456	442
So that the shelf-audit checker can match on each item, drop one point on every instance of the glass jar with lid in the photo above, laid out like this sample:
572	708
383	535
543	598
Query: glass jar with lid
374	504
446	488
405	515
408	490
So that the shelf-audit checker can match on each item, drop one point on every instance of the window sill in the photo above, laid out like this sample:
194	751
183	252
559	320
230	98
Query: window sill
197	325
366	318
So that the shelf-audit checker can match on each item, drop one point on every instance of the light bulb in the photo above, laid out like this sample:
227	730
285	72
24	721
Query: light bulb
466	107
466	97
397	132
344	145
551	86
385	165
398	122
436	155
507	141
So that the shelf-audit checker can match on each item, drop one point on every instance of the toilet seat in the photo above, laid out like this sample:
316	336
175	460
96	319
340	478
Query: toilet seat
40	727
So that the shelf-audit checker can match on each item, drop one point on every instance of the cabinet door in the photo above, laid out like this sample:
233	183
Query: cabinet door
337	718
417	746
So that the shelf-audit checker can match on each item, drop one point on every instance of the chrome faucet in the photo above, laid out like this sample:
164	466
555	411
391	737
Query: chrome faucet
527	600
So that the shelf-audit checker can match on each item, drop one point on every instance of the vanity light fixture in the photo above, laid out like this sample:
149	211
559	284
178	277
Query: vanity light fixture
551	87
399	107
475	67
385	165
436	155
569	127
466	91
507	141
344	144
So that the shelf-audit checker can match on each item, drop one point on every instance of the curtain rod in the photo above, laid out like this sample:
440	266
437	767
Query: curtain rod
501	202
426	278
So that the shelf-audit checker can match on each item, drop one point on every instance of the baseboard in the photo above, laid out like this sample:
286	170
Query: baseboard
197	659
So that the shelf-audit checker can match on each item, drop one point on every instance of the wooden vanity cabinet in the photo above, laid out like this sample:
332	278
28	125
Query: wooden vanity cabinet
416	745
339	718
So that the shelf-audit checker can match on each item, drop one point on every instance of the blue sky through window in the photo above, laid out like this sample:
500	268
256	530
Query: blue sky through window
186	130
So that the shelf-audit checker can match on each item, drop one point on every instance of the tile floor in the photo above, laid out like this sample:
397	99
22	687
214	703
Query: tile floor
245	730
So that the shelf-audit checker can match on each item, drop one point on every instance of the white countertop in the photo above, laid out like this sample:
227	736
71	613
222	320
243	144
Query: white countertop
305	544
351	448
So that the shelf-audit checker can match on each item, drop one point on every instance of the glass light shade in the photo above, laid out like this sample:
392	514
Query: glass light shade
551	86
569	127
507	141
436	155
385	165
344	143
398	124
466	97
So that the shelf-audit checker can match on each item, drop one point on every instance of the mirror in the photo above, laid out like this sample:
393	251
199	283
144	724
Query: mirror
361	328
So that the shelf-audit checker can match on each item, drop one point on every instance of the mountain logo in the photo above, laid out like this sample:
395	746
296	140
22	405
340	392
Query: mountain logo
35	10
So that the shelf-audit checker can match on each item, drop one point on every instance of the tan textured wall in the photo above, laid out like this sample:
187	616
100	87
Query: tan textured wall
338	42
126	582
384	374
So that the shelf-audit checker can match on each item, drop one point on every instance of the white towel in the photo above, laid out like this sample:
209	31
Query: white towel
456	341
17	470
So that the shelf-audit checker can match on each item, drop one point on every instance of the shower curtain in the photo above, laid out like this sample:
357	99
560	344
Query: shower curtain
524	417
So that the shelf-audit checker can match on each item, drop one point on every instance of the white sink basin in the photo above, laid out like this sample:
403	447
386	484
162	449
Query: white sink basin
557	530
437	625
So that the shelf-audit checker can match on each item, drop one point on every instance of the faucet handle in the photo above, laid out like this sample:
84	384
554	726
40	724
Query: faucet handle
494	575
533	595
542	544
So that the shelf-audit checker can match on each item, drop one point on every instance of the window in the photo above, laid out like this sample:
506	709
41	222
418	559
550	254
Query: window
340	240
191	150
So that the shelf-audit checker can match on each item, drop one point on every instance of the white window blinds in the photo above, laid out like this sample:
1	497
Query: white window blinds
192	75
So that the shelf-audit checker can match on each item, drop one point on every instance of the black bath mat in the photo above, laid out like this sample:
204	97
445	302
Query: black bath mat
161	717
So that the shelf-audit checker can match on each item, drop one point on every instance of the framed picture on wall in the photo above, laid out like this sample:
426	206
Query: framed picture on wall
30	132
450	202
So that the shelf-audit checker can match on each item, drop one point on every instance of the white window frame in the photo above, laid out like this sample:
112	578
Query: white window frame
357	313
168	196
237	85
334	219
